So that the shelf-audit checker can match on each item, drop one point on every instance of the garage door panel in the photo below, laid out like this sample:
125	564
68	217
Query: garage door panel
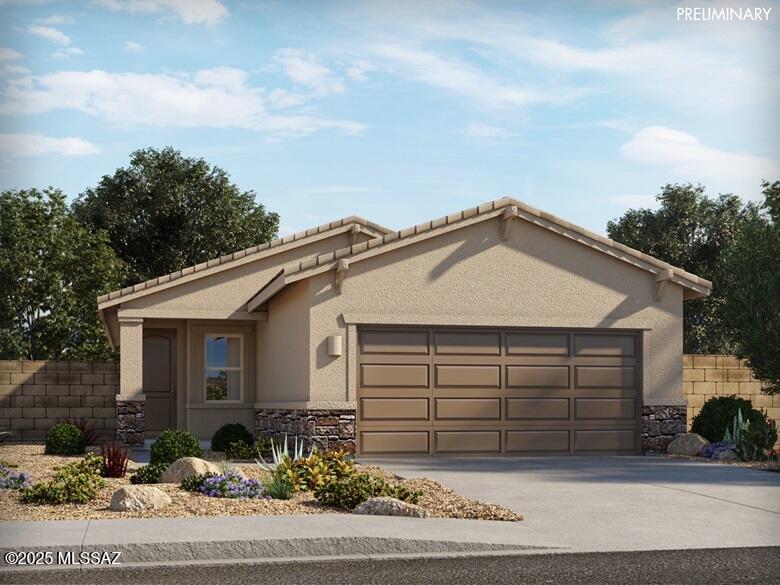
531	441
468	408
380	442
604	345
390	376
537	376
491	391
605	440
537	343
467	343
393	341
537	408
472	376
394	408
467	441
597	408
605	376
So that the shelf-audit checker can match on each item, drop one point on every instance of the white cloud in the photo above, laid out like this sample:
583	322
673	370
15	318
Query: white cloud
49	33
55	19
8	69
687	159
461	78
67	52
208	12
357	70
7	54
133	47
14	145
634	201
212	98
304	69
477	130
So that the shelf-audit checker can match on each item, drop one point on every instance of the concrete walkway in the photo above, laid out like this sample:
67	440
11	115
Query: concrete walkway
619	503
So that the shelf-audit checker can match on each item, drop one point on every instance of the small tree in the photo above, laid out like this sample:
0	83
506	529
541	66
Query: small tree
51	270
752	290
165	212
691	231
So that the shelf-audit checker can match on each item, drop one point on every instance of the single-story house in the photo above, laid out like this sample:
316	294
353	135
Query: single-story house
500	329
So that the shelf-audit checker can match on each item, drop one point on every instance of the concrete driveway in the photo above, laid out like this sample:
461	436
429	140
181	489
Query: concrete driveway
618	503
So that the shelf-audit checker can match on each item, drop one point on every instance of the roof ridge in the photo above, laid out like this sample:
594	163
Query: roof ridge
470	212
294	237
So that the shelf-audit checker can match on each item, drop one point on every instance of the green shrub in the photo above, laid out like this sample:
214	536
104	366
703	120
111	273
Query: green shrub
231	433
308	473
240	450
279	488
173	445
65	439
752	439
149	473
74	483
355	489
717	416
194	483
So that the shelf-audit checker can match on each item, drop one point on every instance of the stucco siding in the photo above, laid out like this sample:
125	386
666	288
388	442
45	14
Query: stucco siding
232	288
284	351
472	277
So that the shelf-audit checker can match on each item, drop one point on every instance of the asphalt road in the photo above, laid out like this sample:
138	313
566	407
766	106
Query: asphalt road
684	567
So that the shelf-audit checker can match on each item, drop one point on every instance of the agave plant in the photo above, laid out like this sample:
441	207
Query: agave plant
280	452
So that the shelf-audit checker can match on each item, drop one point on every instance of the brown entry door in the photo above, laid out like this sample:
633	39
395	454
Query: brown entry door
497	391
159	359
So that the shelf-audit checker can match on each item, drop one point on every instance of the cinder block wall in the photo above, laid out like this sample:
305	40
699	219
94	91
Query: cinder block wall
35	395
705	376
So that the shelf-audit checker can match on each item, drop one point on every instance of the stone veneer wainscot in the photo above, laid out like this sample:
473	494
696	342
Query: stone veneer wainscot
325	429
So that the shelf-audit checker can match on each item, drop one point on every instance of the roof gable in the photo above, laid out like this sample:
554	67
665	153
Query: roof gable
509	210
241	257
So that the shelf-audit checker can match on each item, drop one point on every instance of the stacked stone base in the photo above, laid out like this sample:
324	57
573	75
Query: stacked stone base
324	429
130	423
660	425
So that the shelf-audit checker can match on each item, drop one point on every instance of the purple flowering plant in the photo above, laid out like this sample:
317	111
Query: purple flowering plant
10	480
232	485
713	450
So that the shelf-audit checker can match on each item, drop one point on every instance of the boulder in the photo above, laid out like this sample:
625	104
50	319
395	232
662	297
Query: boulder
726	456
383	506
687	444
187	467
132	498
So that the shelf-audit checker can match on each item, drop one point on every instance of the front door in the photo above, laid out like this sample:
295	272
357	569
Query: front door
159	359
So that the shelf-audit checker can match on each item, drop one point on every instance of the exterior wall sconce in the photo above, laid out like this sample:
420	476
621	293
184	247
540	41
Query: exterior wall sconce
335	345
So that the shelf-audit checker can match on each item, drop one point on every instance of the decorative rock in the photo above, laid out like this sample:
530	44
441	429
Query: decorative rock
187	467
687	444
383	506
132	498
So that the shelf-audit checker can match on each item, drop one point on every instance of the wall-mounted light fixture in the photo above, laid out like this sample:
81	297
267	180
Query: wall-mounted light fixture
334	345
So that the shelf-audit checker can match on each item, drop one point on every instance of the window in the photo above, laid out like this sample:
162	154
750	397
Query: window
223	375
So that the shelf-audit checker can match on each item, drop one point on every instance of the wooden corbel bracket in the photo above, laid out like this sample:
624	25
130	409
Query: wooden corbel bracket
341	272
506	220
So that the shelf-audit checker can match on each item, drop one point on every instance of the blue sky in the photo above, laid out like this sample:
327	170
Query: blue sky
400	112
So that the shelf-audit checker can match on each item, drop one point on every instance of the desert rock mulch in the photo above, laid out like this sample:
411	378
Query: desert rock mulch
439	500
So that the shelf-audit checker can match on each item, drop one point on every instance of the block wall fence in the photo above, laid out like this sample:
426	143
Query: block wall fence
706	376
35	395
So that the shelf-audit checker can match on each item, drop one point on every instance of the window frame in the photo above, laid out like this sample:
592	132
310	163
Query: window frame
239	369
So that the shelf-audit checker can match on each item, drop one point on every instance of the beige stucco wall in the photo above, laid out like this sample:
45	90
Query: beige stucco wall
232	288
284	342
471	277
204	418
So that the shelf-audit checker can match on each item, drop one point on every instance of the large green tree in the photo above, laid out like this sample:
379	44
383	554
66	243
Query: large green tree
51	270
752	290
165	212
692	231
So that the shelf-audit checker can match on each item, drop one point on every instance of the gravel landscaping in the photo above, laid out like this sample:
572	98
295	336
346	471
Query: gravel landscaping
437	499
771	465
